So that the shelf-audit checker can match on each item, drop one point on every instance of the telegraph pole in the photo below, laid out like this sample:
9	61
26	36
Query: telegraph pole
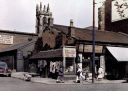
93	45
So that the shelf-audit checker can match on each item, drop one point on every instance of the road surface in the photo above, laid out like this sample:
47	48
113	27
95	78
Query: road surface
14	84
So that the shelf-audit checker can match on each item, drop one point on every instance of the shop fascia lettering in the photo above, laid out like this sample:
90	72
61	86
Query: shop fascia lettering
69	52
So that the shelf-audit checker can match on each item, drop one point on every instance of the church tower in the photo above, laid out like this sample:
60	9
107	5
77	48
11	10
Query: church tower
43	18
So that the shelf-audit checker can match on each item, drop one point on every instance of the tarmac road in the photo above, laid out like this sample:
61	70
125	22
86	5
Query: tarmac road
14	84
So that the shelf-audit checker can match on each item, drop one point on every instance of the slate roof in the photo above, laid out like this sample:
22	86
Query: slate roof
83	34
18	46
91	28
101	36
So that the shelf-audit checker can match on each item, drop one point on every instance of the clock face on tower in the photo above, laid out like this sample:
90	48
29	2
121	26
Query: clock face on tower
119	10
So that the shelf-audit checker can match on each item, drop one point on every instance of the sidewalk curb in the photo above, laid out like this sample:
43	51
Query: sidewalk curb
48	81
61	83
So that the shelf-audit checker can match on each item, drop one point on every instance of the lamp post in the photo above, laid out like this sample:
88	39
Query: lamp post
93	44
93	40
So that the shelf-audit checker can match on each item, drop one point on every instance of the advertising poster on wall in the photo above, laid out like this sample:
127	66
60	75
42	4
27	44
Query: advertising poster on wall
119	10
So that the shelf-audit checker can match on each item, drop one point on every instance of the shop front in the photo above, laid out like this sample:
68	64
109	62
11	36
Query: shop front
51	60
85	51
116	62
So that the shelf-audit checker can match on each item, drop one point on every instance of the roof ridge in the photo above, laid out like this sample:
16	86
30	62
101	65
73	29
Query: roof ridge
18	32
68	26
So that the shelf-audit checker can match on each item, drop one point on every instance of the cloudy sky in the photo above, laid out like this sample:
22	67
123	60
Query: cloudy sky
19	15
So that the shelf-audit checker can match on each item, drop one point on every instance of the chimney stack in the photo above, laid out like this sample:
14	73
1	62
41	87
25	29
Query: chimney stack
71	30
71	22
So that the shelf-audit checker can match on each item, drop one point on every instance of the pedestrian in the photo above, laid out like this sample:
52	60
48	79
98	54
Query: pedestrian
100	73
79	75
96	71
60	78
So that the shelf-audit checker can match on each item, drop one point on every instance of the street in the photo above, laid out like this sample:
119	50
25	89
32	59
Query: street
14	84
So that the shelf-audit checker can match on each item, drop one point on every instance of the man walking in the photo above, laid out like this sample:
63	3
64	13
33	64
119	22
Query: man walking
60	74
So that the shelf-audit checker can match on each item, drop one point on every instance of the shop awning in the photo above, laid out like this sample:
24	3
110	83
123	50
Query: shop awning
120	53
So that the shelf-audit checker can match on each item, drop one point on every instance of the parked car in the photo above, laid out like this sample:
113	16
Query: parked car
4	69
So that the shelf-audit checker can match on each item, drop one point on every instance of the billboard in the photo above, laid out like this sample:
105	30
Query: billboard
119	10
6	39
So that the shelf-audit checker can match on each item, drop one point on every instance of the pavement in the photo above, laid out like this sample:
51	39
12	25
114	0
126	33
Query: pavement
53	81
37	79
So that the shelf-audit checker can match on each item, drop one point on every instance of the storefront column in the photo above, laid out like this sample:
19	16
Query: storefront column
13	63
74	65
20	61
102	62
64	59
126	69
64	63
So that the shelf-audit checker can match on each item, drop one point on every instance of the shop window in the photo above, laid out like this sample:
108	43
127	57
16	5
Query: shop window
70	66
86	65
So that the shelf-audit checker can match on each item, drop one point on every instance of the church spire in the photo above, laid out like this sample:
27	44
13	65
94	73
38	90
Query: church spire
37	8
44	9
40	6
48	9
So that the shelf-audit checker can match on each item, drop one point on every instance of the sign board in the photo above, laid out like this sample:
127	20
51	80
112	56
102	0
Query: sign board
88	48
119	10
69	52
6	39
80	56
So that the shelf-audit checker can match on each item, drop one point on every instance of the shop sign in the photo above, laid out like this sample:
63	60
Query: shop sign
69	52
6	39
88	48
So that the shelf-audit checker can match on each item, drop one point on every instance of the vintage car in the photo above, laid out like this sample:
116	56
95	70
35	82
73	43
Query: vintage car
4	69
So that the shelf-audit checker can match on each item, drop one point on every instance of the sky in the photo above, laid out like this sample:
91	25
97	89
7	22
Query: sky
19	15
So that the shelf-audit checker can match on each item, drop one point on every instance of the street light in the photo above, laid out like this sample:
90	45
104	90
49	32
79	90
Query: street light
93	43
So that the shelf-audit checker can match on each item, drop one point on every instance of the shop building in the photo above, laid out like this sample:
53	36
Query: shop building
9	38
15	48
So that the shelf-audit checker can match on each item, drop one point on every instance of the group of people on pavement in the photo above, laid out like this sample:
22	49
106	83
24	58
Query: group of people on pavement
88	76
59	70
79	74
